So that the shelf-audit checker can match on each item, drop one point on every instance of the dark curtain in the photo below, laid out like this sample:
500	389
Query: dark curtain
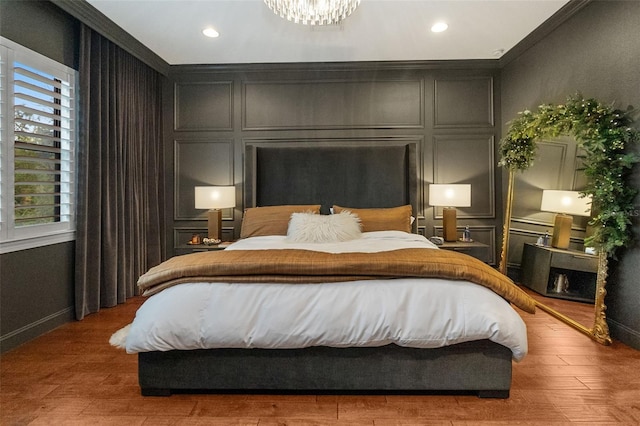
120	174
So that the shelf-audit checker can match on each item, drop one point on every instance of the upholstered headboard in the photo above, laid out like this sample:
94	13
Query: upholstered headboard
363	175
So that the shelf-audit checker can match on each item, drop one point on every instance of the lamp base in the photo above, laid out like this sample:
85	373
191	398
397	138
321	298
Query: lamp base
449	225
561	231
214	224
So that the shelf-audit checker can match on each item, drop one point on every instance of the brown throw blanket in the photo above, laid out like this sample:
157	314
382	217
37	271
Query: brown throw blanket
304	266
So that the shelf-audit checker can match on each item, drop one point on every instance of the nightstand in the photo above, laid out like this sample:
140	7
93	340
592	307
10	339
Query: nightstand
205	247
564	274
472	248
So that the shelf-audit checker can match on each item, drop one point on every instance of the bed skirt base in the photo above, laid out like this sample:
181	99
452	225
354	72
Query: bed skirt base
482	367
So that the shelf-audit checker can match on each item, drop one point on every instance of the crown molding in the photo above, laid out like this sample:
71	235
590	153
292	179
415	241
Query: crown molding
476	64
92	17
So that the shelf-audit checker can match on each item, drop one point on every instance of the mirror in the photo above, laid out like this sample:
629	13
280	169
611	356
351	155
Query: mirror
593	160
563	282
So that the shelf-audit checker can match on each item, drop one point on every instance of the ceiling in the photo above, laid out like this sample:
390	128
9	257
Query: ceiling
378	30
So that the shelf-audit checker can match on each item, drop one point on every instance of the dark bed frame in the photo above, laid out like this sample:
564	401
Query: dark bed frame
359	175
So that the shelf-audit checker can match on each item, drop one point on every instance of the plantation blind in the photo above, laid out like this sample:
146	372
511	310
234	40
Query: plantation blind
43	147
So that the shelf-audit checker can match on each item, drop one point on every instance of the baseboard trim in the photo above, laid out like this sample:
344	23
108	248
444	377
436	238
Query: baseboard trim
35	329
624	334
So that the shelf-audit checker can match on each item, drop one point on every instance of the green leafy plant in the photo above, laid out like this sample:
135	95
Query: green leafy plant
606	136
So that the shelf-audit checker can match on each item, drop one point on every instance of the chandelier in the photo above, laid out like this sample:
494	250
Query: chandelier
313	12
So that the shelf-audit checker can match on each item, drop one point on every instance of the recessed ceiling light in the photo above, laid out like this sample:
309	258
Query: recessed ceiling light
439	27
210	32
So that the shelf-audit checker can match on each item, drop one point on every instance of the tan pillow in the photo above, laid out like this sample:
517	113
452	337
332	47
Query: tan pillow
271	220
386	219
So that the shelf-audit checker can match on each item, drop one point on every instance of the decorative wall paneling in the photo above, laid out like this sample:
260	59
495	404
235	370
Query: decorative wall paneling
201	106
464	151
211	114
467	159
200	162
336	104
463	102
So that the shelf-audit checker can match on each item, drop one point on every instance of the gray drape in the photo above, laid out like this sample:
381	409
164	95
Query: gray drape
120	174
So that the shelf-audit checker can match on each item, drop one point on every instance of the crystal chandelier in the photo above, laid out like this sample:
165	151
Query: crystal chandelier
313	12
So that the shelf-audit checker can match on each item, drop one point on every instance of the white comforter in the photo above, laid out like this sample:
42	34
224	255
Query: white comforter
407	312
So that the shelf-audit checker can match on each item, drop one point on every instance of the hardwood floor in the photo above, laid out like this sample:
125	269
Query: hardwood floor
72	376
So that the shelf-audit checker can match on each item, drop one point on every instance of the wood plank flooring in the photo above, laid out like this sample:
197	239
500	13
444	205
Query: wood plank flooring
72	376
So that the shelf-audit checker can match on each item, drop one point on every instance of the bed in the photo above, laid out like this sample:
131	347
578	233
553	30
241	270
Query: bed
279	325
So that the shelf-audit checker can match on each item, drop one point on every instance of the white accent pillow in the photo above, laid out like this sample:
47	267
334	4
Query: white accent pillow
316	228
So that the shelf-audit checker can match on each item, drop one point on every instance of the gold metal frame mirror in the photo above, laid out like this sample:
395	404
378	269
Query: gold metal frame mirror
604	134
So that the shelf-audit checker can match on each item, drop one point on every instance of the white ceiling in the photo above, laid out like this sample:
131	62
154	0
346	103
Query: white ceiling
379	30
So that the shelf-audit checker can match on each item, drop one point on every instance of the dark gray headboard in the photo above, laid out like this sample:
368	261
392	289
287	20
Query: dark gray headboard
357	175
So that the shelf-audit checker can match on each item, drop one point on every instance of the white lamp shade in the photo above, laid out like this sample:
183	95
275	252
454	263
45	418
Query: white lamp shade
215	197
568	202
450	195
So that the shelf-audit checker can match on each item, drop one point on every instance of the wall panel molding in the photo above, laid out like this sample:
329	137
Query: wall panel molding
467	159
333	104
200	162
463	102
203	106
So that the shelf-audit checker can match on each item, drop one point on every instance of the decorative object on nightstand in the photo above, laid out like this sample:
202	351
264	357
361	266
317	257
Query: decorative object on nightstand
215	198
564	204
466	235
449	196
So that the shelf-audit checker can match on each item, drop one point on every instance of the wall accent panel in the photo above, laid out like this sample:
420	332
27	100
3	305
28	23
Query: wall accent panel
328	104
464	102
200	163
204	106
332	104
467	159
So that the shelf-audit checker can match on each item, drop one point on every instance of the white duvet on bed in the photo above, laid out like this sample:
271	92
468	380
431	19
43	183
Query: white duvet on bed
422	313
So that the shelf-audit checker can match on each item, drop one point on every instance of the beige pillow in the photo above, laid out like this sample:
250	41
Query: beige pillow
383	219
271	220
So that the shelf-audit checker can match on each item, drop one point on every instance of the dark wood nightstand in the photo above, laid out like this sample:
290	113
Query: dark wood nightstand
206	247
564	274
187	247
472	248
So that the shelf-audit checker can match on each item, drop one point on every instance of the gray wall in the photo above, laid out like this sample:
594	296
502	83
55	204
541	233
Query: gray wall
597	53
36	285
212	113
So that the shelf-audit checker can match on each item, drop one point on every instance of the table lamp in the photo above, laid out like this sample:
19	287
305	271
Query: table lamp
564	204
450	196
215	198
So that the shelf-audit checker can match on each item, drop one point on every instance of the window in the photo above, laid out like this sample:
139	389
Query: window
37	149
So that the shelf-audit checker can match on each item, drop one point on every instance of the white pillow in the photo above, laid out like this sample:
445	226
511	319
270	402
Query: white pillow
316	228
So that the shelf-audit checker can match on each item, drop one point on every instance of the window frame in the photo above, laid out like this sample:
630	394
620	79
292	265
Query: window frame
12	237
